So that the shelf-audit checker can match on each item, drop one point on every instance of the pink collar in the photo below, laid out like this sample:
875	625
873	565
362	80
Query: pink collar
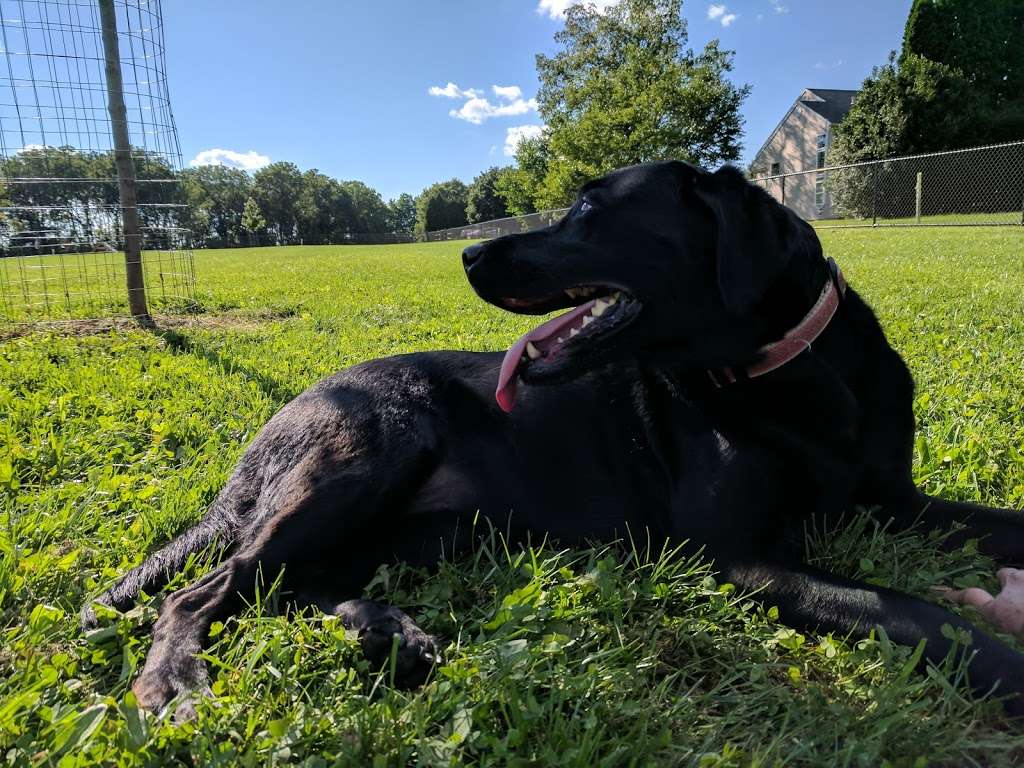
796	340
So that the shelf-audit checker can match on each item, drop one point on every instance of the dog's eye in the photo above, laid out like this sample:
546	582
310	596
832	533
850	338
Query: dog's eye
585	205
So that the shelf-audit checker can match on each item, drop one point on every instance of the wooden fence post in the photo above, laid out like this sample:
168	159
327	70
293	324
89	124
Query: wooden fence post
126	185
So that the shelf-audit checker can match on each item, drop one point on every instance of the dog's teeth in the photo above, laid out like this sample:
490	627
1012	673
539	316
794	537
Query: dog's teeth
560	340
599	308
614	297
587	319
573	332
532	351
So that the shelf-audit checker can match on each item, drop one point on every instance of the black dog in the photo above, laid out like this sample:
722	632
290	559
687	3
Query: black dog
656	405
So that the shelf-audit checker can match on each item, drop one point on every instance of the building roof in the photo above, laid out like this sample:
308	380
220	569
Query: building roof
830	103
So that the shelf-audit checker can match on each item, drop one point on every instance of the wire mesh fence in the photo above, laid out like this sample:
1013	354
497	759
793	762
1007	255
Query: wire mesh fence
980	186
61	215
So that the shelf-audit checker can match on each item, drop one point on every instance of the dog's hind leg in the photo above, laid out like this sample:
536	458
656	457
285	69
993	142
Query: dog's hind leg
321	511
218	528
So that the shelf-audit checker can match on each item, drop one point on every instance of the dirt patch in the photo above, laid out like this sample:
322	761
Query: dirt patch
232	320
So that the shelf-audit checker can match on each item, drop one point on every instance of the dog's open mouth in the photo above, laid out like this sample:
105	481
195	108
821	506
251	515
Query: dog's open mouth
548	346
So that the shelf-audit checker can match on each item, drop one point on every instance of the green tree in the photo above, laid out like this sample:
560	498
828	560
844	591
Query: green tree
483	203
277	188
324	212
908	106
521	186
252	220
402	213
441	205
216	197
369	211
985	42
625	89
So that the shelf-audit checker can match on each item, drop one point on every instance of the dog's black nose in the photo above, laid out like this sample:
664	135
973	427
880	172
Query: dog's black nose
472	254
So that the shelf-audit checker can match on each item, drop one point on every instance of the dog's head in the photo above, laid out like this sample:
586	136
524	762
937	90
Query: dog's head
661	261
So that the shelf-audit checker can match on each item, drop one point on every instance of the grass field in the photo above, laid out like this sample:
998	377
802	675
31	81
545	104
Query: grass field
110	443
995	218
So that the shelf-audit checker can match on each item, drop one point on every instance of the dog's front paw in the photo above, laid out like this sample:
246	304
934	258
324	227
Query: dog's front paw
377	627
168	676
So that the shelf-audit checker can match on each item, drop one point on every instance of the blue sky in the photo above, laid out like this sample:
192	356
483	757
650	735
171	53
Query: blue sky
345	85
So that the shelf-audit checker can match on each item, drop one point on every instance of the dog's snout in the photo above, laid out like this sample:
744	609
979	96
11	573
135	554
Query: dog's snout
471	255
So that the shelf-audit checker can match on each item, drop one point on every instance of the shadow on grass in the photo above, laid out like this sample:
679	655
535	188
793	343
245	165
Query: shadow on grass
180	343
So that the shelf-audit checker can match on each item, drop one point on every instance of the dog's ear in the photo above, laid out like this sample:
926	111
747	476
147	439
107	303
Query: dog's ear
755	236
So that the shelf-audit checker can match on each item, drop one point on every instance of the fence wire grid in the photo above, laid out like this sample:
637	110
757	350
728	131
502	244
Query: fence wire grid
60	210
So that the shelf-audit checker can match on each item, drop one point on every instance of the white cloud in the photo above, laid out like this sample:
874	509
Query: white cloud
556	8
508	92
833	65
478	109
517	133
718	12
452	91
778	6
246	161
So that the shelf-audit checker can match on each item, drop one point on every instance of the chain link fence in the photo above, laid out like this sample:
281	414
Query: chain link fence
980	186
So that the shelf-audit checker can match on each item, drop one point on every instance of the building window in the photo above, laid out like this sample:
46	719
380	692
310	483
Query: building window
819	191
821	145
774	170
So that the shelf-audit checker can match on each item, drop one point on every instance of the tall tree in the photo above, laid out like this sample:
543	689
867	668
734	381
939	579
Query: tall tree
625	89
521	186
216	197
323	211
441	205
369	211
985	42
483	203
402	213
252	220
909	105
277	188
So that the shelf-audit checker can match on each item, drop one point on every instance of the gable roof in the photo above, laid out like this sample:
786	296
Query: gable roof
831	103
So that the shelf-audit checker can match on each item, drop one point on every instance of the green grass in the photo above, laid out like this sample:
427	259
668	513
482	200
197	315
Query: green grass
995	218
111	443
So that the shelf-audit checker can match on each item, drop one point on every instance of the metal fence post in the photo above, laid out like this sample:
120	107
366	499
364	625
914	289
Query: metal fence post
917	197
874	197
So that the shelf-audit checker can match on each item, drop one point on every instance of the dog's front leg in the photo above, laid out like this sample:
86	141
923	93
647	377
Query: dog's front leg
812	600
1000	532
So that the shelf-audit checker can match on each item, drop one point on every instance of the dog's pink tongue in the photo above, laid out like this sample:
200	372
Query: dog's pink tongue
506	392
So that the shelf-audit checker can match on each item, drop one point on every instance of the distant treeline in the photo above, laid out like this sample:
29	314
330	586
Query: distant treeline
64	199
